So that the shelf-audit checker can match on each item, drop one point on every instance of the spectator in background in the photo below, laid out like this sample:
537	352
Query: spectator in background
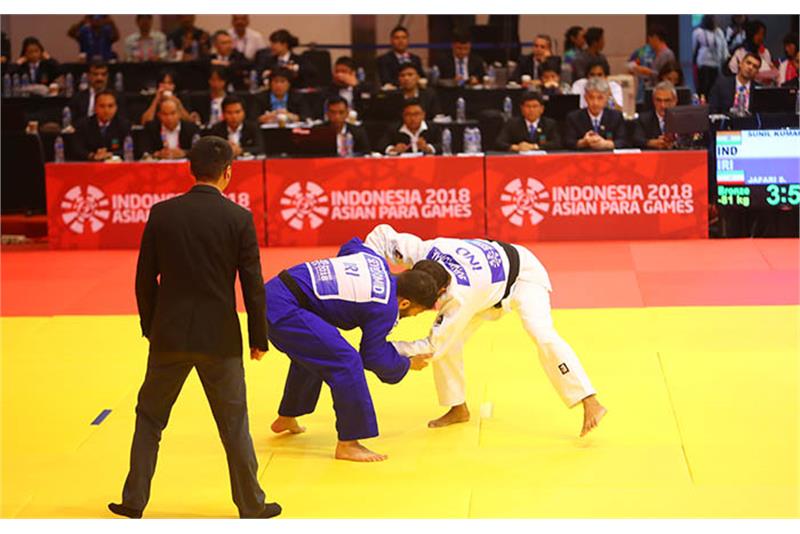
246	40
207	107
672	73
792	82
95	35
147	44
101	136
191	42
336	114
280	100
346	85
414	134
168	136
280	56
550	79
463	66
728	89
755	33
735	32
595	42
36	63
389	63
595	127
640	65
5	48
225	55
408	80
244	136
530	64
599	69
82	103
574	42
167	88
656	40
650	130
787	71
531	131
710	51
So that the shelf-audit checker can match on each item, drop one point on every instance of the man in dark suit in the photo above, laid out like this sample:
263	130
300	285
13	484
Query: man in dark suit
36	63
227	56
414	134
82	103
650	129
727	89
596	127
206	106
167	136
336	113
244	136
390	62
193	246
102	135
531	131
532	63
462	66
280	99
408	79
346	85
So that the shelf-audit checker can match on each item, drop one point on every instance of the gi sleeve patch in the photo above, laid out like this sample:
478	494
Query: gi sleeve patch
563	368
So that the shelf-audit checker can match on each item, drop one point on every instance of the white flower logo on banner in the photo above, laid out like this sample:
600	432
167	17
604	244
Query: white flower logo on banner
529	200
304	205
80	210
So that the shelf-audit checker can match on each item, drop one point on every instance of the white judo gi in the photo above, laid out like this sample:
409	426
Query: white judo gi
479	271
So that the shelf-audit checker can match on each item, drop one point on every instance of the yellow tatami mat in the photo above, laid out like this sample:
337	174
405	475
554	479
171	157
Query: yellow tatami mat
703	422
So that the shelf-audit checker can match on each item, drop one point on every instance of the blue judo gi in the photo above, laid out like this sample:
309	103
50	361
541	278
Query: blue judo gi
353	290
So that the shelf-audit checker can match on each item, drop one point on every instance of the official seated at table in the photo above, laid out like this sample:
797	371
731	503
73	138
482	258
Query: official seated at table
462	65
408	80
531	131
650	127
243	135
82	103
595	127
389	63
728	89
168	136
36	63
531	63
279	56
167	88
280	100
225	55
336	114
346	85
414	134
101	136
206	106
550	79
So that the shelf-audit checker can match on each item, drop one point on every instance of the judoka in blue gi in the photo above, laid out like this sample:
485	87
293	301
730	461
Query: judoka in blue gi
308	303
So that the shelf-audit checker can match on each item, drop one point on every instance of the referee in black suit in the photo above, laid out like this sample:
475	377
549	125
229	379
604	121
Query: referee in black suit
196	243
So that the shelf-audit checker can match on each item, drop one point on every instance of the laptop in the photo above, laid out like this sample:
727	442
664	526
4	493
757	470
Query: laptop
316	141
773	100
686	119
385	106
557	107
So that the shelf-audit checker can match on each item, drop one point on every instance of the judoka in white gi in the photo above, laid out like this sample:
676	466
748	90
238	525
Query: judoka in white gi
488	279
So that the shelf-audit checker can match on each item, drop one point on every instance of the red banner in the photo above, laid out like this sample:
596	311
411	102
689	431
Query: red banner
105	205
651	195
327	201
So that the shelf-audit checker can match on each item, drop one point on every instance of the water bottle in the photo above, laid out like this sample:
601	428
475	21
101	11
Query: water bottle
361	76
119	85
695	99
230	88
69	85
127	148
461	110
25	82
468	146
15	90
447	142
476	140
66	118
195	49
195	138
84	85
253	81
741	108
508	108
797	104
434	75
58	149
348	144
214	116
492	75
7	88
340	144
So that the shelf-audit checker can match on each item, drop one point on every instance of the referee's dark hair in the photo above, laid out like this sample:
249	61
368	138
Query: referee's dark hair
230	100
419	287
209	157
436	270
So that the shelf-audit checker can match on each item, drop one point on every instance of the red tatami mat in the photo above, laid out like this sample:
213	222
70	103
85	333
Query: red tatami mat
584	275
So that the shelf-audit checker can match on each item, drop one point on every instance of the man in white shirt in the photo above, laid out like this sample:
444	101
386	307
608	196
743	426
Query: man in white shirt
245	40
146	44
487	280
414	136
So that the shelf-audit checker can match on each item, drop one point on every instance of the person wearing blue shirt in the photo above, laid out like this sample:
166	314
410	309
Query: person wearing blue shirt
280	100
95	35
308	303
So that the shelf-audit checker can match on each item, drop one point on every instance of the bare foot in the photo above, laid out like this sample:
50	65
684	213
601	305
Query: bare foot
282	424
593	412
456	414
356	452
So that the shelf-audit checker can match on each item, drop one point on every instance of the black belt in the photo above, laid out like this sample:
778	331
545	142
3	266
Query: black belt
294	289
513	269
